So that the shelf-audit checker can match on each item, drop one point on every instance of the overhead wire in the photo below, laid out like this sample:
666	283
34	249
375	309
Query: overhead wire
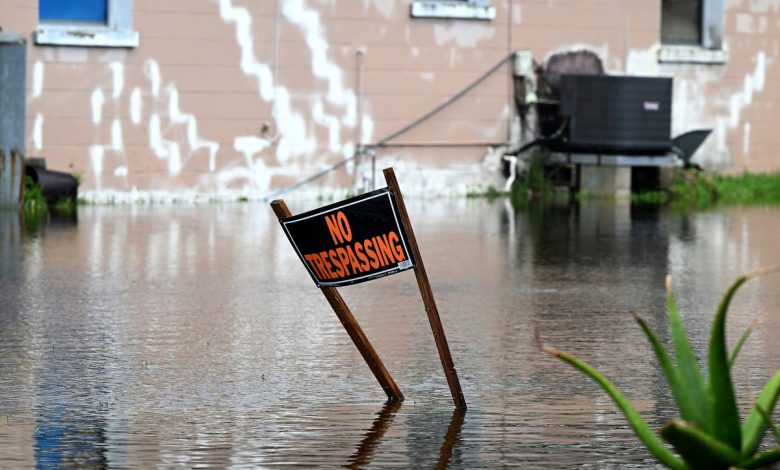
384	141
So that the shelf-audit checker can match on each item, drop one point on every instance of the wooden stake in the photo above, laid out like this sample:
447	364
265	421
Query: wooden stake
427	296
352	326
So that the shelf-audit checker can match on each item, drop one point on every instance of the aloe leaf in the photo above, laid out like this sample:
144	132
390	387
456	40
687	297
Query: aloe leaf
769	423
643	432
722	402
690	374
740	342
698	448
689	410
762	460
754	426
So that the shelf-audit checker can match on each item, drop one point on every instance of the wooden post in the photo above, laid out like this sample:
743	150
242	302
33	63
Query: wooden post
427	296
352	326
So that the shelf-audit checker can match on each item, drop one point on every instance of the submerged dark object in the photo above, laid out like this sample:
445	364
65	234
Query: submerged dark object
56	186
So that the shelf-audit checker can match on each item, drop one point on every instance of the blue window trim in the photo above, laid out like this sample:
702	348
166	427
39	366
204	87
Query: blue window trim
92	11
117	31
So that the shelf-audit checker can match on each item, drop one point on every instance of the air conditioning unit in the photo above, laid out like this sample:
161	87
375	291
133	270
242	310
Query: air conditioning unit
612	114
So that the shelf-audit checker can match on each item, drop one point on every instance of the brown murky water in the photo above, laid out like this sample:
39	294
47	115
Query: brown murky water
191	336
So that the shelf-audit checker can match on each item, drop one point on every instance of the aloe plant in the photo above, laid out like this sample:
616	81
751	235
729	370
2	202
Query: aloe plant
708	433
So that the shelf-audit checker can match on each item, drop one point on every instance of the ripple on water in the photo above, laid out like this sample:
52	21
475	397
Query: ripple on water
192	337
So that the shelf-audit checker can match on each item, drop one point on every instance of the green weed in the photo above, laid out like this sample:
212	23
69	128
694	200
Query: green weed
535	183
650	198
692	188
64	206
491	193
33	202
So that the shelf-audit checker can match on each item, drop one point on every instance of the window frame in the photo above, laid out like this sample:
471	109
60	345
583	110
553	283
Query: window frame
453	9
694	21
117	32
711	48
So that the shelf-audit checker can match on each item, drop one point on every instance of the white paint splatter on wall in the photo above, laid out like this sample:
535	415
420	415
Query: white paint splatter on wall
35	93
294	139
468	34
753	82
96	100
136	106
37	132
118	71
37	83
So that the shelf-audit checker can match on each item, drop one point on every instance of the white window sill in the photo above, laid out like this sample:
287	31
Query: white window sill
452	10
85	35
692	55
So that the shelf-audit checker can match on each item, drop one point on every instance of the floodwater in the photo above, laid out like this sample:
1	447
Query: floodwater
192	337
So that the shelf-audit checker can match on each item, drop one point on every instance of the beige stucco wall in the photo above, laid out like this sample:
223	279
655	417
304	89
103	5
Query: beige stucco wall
181	115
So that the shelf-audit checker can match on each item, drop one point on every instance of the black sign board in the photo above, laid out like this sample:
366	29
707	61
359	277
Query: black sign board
351	241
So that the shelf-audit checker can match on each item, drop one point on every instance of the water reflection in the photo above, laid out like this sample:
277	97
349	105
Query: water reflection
10	240
62	440
374	435
148	336
420	435
447	454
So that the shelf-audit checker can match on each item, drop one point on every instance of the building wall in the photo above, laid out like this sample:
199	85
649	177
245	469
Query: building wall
232	98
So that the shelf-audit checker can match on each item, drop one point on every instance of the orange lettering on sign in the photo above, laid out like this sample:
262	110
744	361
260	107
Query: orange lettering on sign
399	252
343	260
353	262
316	264
361	256
339	228
334	259
355	258
384	248
374	261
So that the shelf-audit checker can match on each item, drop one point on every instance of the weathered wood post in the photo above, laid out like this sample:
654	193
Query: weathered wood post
427	296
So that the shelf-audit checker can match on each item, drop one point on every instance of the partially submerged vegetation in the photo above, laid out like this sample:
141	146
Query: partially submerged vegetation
35	207
682	188
33	202
491	193
701	189
708	434
535	183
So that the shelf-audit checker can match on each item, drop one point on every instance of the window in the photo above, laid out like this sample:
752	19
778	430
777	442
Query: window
93	11
692	31
103	23
453	9
681	22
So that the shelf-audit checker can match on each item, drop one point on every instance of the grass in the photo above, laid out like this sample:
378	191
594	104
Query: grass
65	206
653	198
748	188
535	184
33	202
491	193
708	434
693	188
35	208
